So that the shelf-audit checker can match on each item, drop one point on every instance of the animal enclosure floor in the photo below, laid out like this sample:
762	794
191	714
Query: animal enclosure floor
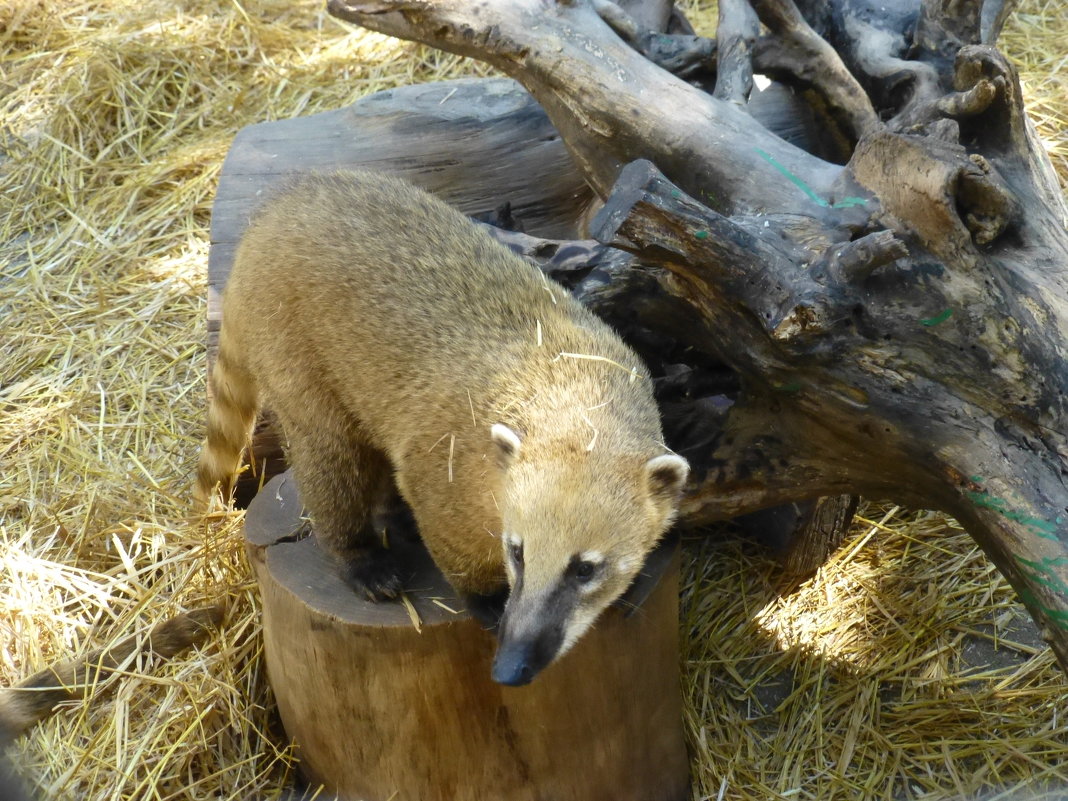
904	670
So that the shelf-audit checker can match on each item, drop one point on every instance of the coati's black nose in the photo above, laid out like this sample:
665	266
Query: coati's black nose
512	666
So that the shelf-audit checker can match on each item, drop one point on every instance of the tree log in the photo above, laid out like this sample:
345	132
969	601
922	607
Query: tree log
897	322
395	701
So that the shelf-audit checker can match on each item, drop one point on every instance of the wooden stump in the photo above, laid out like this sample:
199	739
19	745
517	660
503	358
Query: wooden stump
385	708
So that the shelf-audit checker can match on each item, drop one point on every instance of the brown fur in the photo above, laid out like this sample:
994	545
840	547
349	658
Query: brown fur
388	334
35	698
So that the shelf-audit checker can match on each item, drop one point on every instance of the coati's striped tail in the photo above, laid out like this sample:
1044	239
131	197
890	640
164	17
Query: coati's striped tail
230	419
35	698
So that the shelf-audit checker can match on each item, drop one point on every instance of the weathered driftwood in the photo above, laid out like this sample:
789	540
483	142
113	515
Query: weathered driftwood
897	322
395	701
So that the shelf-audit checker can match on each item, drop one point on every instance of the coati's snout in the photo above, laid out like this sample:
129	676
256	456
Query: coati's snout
521	657
539	624
575	537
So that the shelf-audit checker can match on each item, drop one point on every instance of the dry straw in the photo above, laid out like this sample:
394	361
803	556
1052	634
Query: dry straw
905	669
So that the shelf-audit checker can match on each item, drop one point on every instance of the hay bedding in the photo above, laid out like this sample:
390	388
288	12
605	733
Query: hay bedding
905	669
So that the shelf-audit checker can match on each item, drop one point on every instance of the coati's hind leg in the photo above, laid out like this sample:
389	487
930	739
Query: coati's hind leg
341	479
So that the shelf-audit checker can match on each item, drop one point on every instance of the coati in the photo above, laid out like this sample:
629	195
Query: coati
35	698
394	339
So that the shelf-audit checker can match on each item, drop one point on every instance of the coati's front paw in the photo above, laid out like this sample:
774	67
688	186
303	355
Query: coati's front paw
487	609
374	575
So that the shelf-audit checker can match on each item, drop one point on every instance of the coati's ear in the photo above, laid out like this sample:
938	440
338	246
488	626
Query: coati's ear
507	442
666	475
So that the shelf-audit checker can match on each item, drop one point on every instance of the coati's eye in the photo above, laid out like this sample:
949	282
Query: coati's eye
516	550
584	570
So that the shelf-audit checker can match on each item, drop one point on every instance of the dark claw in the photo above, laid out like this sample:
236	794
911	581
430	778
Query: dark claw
374	575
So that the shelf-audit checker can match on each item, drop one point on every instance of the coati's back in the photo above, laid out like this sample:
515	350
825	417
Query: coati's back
331	265
358	270
389	333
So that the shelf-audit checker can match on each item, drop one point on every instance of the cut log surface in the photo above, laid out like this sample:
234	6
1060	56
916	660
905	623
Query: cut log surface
395	700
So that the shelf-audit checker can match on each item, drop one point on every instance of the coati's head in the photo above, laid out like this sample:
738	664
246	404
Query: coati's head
576	532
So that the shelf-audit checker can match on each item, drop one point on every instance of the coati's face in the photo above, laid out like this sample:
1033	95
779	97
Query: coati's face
576	533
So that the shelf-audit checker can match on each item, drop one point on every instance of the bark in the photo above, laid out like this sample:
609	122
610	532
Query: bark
738	29
597	91
895	322
682	54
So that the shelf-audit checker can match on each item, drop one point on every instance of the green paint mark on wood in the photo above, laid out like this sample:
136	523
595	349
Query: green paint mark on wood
1059	617
792	386
844	203
939	318
1044	573
1039	527
675	193
701	234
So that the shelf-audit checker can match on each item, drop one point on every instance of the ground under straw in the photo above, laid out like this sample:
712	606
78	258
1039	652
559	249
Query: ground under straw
877	679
